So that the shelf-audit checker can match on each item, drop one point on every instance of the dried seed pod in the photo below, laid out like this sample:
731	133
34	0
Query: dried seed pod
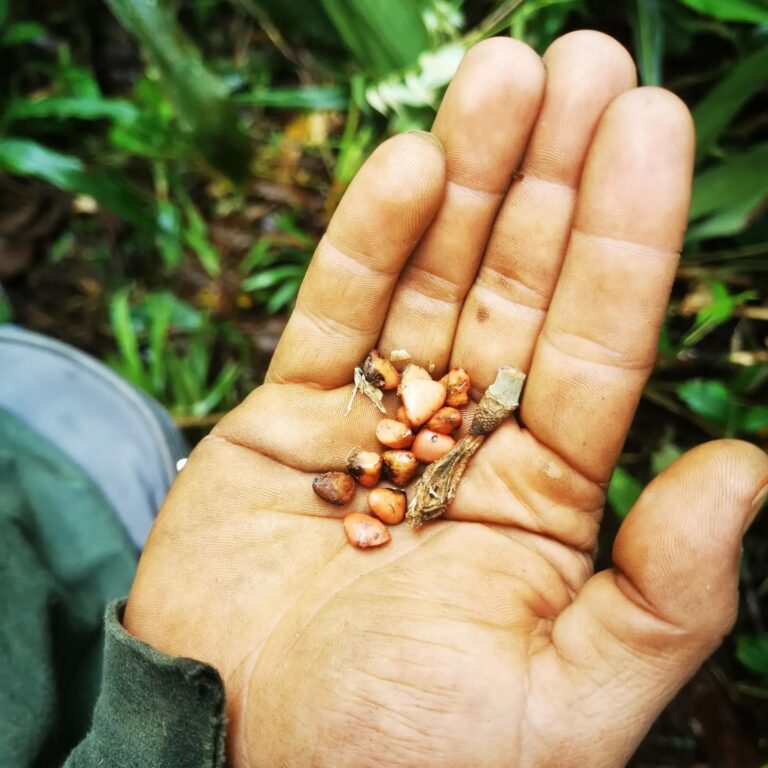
365	467
430	446
437	487
364	531
394	434
380	372
388	504
422	399
412	372
334	487
457	385
399	466
445	421
402	417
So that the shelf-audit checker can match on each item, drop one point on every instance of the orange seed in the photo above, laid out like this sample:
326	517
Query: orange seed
365	467
445	421
457	385
394	434
399	466
430	446
388	504
364	531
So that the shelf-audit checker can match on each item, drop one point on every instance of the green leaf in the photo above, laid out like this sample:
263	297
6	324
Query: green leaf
6	310
623	491
196	237
649	40
223	385
730	194
125	337
63	107
284	295
713	114
752	652
271	277
315	97
27	158
20	33
754	419
711	400
201	100
751	11
719	310
383	37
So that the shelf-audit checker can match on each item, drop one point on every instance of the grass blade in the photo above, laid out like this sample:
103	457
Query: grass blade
713	114
201	100
28	158
649	40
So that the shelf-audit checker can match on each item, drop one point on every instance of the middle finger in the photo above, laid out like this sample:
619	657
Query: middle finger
483	123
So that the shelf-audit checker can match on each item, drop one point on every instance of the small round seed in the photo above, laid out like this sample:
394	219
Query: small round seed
365	467
364	531
422	399
457	385
334	487
399	466
430	446
380	372
394	434
388	504
445	421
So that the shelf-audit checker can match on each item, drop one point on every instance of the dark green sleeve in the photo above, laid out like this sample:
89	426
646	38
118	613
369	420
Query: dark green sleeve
154	711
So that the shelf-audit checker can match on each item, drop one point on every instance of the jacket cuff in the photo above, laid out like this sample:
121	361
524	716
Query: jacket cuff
153	709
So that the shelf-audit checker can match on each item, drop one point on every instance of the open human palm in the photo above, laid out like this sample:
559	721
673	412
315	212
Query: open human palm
538	226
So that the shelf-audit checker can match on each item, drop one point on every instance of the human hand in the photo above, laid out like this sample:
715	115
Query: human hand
482	639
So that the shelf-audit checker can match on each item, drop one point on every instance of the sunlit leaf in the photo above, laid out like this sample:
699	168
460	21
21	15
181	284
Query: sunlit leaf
63	107
319	97
752	11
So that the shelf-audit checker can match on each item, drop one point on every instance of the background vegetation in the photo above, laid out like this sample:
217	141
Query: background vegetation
170	166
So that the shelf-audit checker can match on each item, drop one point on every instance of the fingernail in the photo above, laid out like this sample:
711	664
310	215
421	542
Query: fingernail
430	136
757	503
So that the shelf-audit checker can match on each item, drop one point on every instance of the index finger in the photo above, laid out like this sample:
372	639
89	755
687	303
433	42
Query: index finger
346	292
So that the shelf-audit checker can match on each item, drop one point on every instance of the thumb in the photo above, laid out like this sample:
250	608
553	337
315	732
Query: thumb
637	632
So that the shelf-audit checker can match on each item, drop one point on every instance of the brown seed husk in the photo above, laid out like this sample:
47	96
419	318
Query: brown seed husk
437	487
336	488
364	531
399	466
